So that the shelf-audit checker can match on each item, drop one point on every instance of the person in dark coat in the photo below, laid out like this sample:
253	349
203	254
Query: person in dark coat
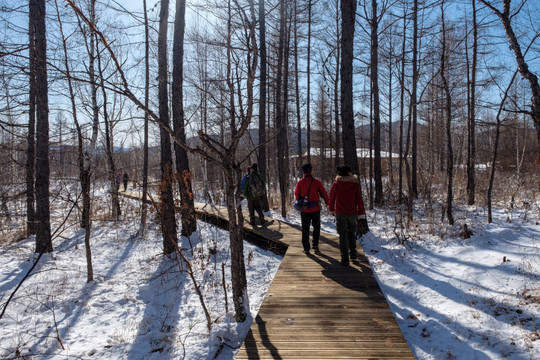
253	188
347	204
311	215
125	177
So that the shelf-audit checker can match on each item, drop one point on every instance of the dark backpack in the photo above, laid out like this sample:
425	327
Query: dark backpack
255	186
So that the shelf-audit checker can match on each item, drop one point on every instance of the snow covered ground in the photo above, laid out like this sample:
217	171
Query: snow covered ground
454	298
141	304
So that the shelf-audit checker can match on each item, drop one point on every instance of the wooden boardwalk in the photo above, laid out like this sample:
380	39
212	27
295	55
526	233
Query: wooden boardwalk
318	309
315	307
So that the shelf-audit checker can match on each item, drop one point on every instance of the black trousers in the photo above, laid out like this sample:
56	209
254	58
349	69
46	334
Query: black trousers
310	218
255	205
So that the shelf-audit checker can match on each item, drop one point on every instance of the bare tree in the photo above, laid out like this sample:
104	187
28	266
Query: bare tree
471	148
166	207
31	137
374	76
281	106
187	207
262	99
43	225
83	159
448	115
308	104
348	14
144	209
414	102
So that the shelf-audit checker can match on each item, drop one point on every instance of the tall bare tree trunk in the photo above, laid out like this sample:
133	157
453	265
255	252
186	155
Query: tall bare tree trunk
379	198
262	100
297	87
308	101
337	148
471	149
166	207
86	173
43	221
402	108
348	14
187	206
82	159
414	102
280	120
144	210
390	101
31	137
448	115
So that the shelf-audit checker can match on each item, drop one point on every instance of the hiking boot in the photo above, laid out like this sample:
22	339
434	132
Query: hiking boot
316	250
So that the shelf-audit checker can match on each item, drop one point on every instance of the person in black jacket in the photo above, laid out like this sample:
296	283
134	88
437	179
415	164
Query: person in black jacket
254	186
125	177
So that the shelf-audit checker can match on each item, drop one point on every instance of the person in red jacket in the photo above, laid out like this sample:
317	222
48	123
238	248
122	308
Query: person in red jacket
347	204
312	215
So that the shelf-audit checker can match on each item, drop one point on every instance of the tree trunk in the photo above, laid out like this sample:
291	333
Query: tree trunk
448	115
337	127
166	207
348	12
238	267
414	102
187	207
262	100
471	149
144	206
43	222
379	199
308	101
280	120
81	158
297	87
402	109
31	138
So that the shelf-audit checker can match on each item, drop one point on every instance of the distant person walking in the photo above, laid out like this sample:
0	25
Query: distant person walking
312	188
118	179
125	177
253	188
347	204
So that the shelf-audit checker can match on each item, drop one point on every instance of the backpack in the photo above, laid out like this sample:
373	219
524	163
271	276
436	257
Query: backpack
255	186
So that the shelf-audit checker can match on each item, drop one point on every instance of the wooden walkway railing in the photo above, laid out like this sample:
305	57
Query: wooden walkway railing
317	308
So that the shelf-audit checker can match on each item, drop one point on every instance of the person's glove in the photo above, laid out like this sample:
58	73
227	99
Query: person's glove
362	227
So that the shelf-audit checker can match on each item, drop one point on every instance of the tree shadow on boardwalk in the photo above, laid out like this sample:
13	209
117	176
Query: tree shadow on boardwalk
251	345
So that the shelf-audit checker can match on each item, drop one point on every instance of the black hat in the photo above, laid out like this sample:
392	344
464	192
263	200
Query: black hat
254	167
344	170
306	168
